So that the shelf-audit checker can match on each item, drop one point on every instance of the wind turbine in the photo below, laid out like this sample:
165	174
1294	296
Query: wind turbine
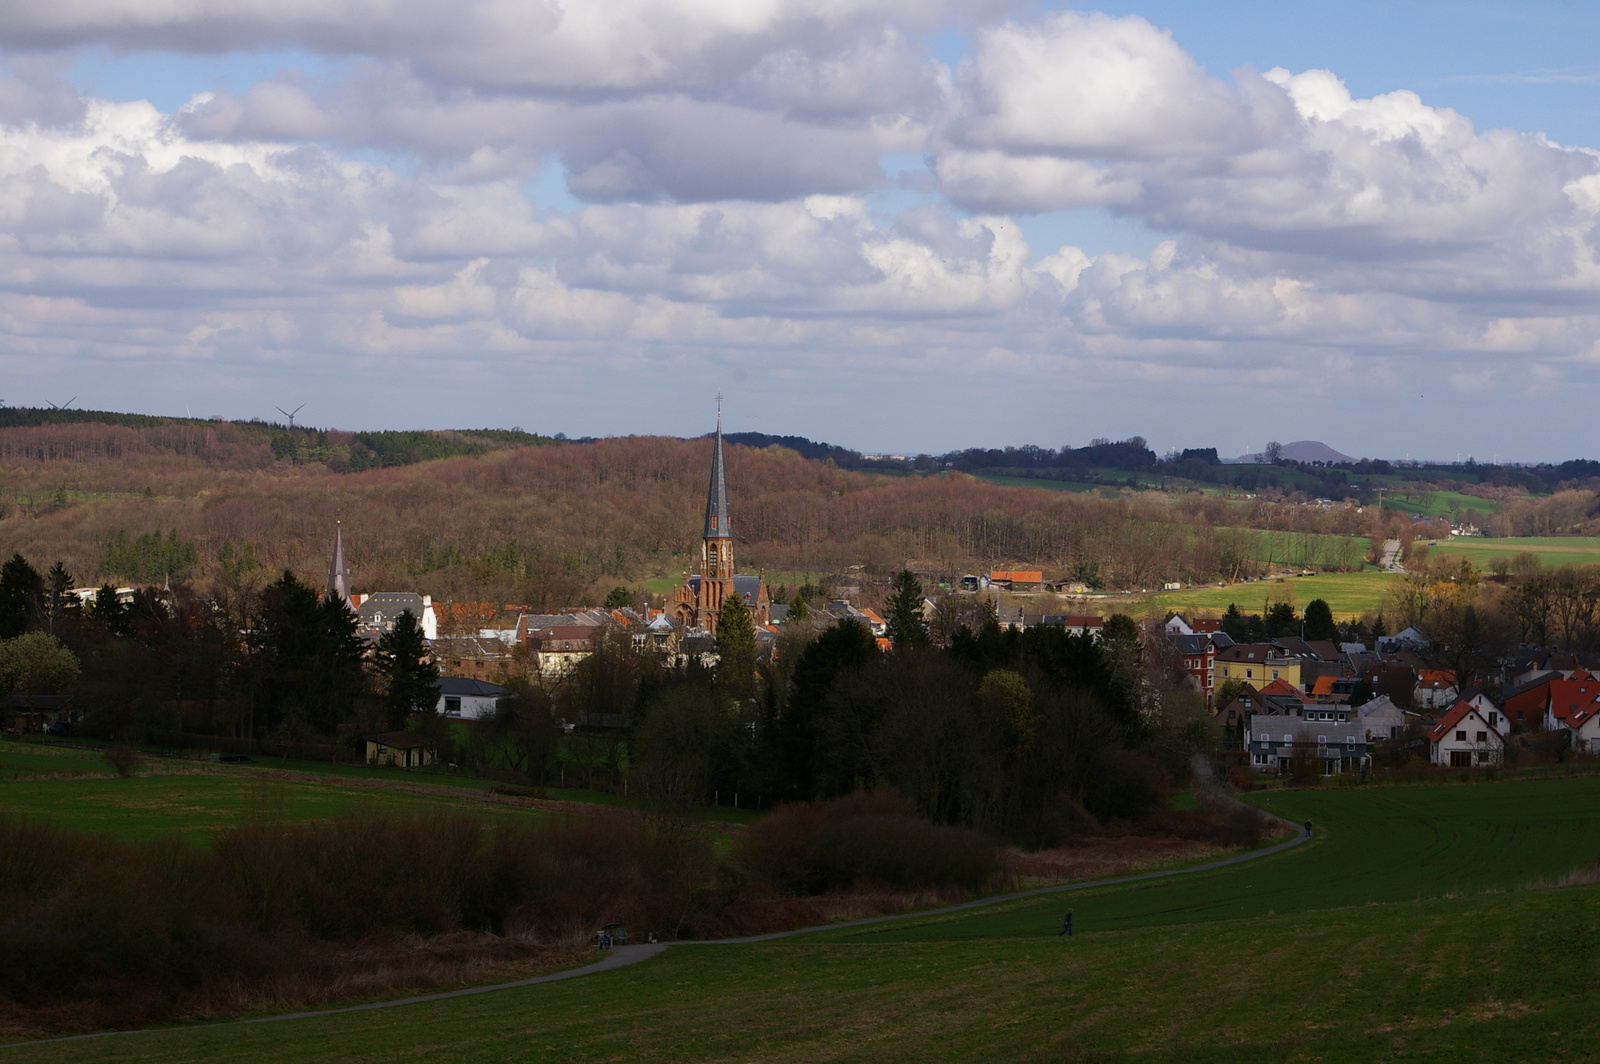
64	405
290	413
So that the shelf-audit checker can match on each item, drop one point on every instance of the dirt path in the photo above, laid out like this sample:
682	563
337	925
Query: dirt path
624	956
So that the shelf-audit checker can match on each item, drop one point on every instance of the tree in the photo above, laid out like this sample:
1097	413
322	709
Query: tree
109	611
305	668
1281	619
20	591
36	664
798	610
1379	630
619	598
1273	453
841	650
906	627
1234	625
736	647
1319	621
402	659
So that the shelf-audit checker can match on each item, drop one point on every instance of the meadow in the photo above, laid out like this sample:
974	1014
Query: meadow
1348	595
1414	926
78	791
1551	551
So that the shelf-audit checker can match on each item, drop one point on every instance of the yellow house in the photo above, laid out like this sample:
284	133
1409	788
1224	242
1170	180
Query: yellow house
399	750
1255	663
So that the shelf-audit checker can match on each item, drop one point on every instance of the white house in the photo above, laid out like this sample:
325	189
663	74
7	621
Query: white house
464	699
1381	719
1465	737
1583	724
378	612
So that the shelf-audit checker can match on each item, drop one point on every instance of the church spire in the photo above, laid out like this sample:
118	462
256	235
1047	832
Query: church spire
717	496
338	572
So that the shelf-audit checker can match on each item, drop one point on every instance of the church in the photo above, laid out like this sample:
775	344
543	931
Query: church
697	603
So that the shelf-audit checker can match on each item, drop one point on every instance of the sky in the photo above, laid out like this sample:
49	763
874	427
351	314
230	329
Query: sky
896	225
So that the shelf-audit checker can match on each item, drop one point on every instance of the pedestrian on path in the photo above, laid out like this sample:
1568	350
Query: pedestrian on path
1066	926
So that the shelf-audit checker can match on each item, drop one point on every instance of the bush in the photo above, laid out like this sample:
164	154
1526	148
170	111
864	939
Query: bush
869	838
125	760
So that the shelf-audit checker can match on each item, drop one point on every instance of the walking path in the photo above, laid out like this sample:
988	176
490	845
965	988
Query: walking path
623	956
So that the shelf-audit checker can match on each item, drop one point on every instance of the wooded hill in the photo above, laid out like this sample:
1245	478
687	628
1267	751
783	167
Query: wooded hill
519	517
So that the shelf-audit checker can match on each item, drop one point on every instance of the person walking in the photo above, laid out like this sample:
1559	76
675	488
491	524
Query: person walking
1066	926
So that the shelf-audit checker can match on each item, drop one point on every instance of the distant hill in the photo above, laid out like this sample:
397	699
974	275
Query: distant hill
1300	451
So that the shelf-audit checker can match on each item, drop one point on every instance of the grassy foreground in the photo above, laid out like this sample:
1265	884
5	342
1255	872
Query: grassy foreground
1376	941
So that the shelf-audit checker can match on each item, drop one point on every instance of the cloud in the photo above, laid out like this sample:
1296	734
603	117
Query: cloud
734	212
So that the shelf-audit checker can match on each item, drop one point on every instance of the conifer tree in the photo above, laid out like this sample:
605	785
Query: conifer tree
736	646
402	660
906	628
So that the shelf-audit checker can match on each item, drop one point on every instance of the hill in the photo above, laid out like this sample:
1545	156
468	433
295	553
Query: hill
526	518
1302	451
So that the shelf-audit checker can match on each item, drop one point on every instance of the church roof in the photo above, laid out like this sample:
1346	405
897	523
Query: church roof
717	496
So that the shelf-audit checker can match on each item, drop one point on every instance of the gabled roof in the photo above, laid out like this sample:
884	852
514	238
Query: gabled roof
1568	696
1281	687
399	740
1454	716
1323	686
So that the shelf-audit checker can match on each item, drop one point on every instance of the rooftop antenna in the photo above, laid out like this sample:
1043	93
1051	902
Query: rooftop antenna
290	413
64	405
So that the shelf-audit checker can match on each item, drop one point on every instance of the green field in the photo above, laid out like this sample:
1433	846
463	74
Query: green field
1551	550
78	790
1400	932
1347	594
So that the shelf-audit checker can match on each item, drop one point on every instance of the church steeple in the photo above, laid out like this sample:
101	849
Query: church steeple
338	572
716	551
717	496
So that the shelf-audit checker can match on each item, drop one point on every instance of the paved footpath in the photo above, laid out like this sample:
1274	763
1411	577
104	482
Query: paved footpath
623	956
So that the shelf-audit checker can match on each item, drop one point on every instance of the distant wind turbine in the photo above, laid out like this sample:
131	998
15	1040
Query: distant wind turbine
64	405
290	413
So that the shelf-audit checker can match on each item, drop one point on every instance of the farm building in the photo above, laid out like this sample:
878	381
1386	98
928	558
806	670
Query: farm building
399	750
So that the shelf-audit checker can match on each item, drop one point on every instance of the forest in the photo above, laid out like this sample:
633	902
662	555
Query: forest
561	523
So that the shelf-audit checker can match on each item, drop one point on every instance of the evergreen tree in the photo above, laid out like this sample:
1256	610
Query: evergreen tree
110	612
57	602
1379	630
20	590
1280	619
402	659
619	598
1319	621
906	628
306	657
736	646
1234	624
798	610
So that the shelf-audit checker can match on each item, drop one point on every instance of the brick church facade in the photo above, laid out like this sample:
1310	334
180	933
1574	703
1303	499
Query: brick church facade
697	603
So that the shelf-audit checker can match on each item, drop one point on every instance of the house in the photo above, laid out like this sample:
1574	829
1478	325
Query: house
1011	617
1255	663
1583	724
474	657
1435	689
1464	737
379	610
1408	639
462	698
556	650
1381	719
1274	743
1176	625
399	750
1282	698
37	713
1233	713
1017	579
1548	701
1077	624
1197	656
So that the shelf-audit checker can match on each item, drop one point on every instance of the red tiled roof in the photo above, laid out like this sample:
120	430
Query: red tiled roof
1456	714
1018	576
1324	686
1281	687
1567	696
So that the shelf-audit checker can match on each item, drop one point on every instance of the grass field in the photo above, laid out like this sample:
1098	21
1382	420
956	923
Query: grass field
1551	550
77	790
1347	594
1398	933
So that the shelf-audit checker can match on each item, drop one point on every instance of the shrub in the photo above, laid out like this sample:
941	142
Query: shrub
868	838
125	760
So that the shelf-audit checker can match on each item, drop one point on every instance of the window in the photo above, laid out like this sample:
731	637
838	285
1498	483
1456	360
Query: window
1483	737
1461	759
452	705
1494	720
1249	674
1274	674
1461	736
